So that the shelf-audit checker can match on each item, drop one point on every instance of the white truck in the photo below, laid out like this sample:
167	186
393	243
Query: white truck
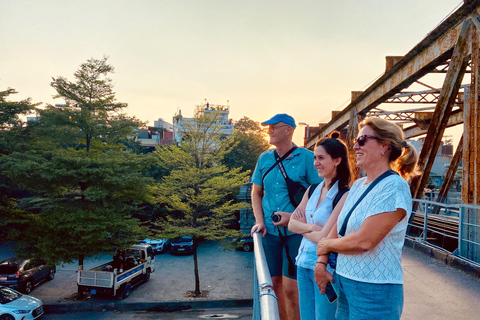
117	278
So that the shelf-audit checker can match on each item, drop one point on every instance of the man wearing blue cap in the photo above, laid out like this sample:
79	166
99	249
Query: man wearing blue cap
272	207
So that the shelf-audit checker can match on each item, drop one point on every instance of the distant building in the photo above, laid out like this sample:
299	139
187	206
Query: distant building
226	124
443	158
160	134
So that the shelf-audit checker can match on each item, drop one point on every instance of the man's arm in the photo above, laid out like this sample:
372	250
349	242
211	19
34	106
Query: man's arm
257	196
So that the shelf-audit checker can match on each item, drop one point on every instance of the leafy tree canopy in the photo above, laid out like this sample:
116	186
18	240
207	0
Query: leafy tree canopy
81	204
13	136
250	143
10	111
90	112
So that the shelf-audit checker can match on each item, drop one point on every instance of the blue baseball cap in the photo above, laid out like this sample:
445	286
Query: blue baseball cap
281	117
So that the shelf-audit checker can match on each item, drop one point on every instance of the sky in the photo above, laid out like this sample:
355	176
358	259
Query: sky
261	57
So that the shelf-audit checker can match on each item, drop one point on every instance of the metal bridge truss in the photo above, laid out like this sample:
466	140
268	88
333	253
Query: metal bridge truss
452	50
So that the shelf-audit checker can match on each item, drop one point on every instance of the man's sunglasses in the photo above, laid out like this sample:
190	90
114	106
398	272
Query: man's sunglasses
363	139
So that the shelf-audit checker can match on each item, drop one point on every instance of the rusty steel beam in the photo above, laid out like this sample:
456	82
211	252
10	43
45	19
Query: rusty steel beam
471	128
450	89
471	154
420	97
434	50
456	118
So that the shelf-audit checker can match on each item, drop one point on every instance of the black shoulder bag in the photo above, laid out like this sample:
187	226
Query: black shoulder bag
295	189
332	257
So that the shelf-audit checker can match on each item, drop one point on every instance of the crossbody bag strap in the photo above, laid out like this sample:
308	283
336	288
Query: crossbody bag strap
279	160
370	187
280	165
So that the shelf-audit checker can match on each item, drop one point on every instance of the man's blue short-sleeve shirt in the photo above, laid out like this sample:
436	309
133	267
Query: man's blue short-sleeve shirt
299	167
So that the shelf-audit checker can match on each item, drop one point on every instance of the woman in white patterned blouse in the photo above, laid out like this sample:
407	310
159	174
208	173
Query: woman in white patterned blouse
369	273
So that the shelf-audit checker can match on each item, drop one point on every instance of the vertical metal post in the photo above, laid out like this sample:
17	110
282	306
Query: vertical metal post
256	295
460	230
425	224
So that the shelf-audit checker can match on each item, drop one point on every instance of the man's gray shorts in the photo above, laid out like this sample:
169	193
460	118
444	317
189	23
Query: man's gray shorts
276	254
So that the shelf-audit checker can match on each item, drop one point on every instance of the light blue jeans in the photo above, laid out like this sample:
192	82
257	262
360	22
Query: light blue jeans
313	304
361	300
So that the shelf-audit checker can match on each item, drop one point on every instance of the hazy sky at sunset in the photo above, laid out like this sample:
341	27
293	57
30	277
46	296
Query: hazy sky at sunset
263	56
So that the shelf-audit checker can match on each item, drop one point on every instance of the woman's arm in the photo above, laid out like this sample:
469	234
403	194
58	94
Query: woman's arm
315	236
298	222
321	275
372	231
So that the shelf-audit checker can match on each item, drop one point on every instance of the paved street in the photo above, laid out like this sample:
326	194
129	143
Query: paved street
226	275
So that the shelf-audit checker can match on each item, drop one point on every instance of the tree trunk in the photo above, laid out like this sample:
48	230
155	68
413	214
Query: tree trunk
80	267
195	265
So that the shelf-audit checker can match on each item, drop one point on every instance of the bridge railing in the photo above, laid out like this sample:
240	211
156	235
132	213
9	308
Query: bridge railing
453	227
265	306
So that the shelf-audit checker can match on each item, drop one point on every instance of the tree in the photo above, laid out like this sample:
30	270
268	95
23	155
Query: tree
12	137
10	111
198	190
91	111
84	184
81	204
250	143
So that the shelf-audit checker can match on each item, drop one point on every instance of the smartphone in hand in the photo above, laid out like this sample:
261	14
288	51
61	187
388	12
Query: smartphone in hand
330	292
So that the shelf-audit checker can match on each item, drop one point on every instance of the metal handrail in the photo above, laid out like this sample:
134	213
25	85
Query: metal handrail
459	214
265	306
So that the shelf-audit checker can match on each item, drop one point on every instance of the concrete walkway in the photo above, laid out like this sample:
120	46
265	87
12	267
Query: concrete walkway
434	290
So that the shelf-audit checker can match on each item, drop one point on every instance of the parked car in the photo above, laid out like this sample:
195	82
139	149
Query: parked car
16	306
182	245
25	274
158	245
244	243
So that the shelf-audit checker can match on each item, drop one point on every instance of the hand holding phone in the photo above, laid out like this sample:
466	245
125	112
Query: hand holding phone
330	292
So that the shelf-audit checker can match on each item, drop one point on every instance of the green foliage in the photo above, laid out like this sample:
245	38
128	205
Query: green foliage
10	111
63	230
82	204
250	142
13	136
198	199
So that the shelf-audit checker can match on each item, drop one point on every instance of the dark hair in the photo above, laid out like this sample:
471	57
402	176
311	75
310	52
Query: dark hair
337	148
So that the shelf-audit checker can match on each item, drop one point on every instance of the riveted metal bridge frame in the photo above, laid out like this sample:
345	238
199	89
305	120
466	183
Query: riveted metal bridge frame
451	48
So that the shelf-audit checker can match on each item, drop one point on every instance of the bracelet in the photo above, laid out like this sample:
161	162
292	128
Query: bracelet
321	262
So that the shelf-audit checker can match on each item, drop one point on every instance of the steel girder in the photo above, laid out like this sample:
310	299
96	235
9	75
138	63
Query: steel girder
432	52
450	88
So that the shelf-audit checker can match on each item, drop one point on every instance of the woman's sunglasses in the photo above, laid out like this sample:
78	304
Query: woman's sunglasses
363	139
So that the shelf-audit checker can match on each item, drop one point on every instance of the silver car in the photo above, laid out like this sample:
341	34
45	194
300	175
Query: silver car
158	245
16	306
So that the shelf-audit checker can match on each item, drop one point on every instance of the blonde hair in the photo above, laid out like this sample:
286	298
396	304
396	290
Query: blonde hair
403	157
